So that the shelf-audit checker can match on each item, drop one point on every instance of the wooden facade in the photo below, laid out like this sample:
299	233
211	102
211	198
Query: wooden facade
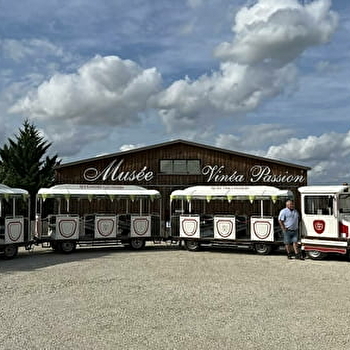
180	164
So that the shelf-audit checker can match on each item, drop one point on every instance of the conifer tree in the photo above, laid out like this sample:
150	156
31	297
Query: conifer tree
23	163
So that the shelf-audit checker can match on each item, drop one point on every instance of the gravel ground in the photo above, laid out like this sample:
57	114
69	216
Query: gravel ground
168	298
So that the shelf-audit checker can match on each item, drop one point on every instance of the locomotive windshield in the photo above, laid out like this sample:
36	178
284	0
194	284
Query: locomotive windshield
319	205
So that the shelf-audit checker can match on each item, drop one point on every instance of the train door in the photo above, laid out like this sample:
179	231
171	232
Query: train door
320	217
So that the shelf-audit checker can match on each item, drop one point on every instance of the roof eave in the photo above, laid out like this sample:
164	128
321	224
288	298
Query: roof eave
213	148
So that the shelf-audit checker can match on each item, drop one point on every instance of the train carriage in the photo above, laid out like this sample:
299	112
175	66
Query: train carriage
70	215
14	220
240	216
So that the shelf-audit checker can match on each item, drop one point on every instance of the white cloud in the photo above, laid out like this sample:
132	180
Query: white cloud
129	147
233	90
278	31
310	148
19	50
254	138
327	154
68	139
265	33
105	90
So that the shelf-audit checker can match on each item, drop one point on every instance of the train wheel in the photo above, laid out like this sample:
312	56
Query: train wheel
67	247
263	249
192	245
315	254
137	243
10	251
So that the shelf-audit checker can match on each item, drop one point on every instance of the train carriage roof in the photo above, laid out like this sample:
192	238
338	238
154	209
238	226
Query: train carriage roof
231	192
326	189
82	191
7	191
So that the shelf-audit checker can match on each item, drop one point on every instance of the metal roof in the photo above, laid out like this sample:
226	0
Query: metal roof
179	141
326	189
12	192
77	190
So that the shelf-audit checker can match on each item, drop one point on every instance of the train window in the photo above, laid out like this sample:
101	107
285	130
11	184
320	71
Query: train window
344	203
318	205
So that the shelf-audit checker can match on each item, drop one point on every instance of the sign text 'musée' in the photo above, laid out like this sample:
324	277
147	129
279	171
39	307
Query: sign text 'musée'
213	173
112	172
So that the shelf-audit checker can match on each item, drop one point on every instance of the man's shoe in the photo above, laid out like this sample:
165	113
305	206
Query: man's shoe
290	256
299	256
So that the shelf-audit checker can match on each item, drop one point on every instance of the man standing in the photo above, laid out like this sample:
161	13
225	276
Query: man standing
288	219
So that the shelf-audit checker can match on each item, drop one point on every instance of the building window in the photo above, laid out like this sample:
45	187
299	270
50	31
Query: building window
166	166
180	166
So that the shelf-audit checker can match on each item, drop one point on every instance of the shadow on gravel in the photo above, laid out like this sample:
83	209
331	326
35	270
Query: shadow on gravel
43	257
235	250
279	252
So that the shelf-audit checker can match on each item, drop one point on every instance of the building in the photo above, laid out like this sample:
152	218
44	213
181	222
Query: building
178	164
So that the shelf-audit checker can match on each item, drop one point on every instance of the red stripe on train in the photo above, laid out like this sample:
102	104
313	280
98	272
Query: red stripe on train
326	249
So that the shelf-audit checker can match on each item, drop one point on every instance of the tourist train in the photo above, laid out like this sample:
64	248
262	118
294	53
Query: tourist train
74	215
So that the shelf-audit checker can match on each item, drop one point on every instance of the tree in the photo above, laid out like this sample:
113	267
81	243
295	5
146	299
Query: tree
23	163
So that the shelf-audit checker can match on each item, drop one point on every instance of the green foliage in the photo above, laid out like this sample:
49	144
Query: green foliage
23	162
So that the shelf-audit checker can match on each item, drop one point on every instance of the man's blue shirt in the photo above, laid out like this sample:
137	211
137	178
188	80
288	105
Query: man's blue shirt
290	218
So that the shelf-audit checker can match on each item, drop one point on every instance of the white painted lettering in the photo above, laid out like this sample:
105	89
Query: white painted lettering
112	172
214	174
263	173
